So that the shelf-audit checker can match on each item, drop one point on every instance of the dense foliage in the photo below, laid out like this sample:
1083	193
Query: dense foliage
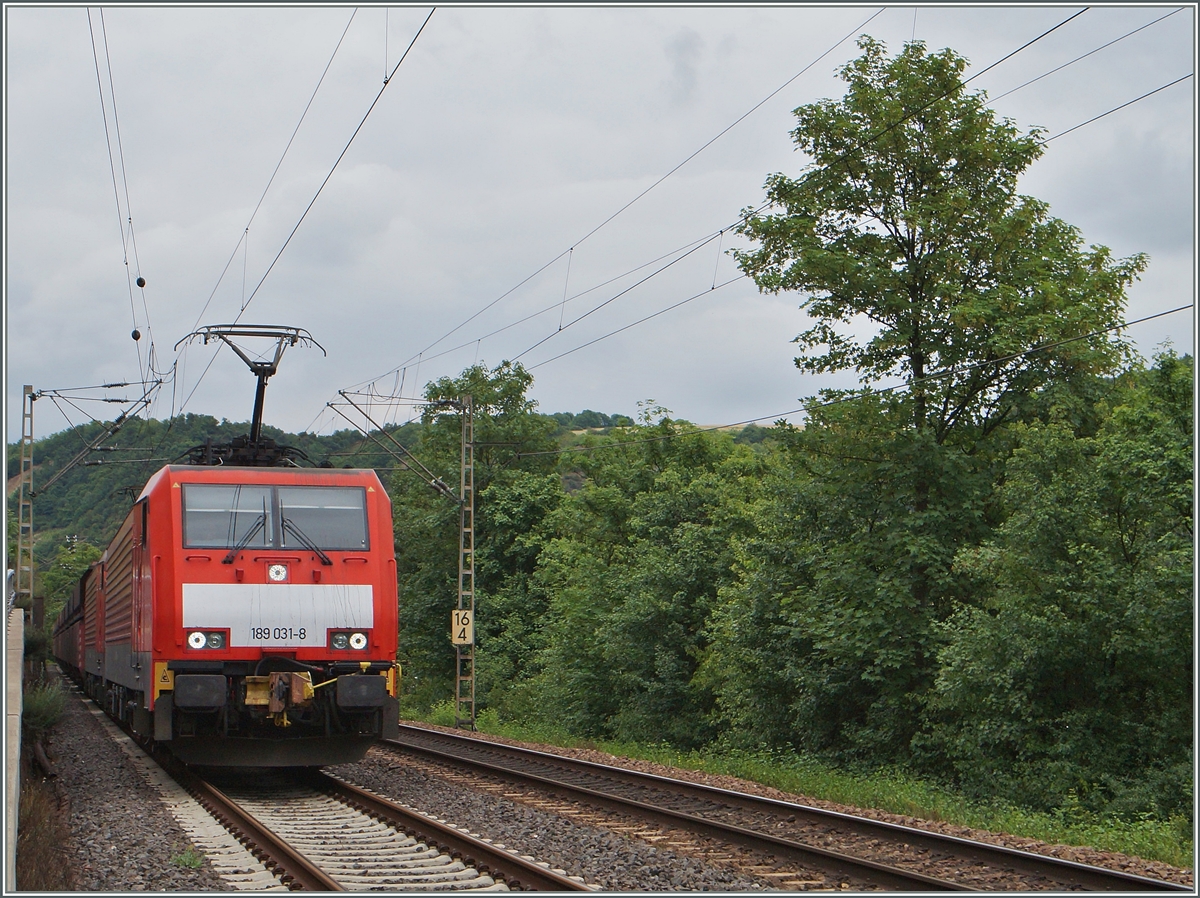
984	577
664	584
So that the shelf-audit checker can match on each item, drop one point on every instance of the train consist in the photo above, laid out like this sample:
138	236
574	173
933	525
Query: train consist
244	616
245	612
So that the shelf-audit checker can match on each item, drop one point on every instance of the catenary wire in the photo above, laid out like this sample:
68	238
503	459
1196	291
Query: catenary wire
246	231
841	157
937	375
1117	108
310	205
610	218
764	206
617	296
130	276
1085	55
721	231
540	312
706	292
341	155
113	170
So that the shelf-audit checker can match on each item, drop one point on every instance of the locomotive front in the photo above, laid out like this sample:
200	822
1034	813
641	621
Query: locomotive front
273	607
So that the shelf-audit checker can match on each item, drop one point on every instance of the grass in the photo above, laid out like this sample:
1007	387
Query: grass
189	857
41	707
897	792
41	833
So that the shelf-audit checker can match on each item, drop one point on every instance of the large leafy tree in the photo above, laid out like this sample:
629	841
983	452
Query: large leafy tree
916	259
908	219
1074	672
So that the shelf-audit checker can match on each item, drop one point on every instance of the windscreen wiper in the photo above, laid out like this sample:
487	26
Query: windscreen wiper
245	540
288	524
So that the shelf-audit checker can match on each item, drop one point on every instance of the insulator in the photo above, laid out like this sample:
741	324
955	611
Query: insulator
137	334
141	281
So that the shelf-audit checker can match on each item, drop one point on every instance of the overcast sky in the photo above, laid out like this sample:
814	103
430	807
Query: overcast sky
505	138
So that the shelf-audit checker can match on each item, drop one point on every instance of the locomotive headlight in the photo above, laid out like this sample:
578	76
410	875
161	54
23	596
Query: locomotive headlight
197	640
216	640
358	640
277	573
340	640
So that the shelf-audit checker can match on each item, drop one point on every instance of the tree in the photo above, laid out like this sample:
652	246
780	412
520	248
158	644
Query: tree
1074	673
631	566
69	564
426	523
916	259
908	218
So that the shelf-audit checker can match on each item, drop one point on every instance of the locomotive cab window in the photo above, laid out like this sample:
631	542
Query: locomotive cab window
327	517
221	516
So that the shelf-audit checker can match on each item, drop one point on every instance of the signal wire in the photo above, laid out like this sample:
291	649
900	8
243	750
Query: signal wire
841	400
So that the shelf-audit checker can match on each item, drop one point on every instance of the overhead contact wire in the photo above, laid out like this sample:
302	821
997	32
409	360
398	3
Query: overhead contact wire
271	180
614	215
335	165
866	394
870	139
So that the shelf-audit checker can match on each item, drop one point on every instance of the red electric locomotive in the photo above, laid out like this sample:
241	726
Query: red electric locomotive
245	613
245	616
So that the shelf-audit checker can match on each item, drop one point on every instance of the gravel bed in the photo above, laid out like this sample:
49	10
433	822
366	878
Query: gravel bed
1095	857
602	858
122	838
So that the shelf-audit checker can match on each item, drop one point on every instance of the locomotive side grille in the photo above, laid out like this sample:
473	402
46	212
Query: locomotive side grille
118	605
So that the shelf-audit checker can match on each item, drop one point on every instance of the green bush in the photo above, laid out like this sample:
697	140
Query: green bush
42	706
37	646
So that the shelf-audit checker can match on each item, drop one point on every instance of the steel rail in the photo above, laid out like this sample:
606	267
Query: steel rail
292	867
1069	873
517	872
828	861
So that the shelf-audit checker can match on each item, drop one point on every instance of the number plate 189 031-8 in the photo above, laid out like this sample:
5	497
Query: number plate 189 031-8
277	614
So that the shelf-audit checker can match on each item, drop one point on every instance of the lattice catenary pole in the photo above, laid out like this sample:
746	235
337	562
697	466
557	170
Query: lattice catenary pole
24	562
463	634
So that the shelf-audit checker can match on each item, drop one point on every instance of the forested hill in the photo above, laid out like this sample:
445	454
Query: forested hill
92	497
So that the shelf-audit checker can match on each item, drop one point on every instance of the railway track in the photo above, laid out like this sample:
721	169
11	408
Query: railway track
820	846
317	833
314	832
